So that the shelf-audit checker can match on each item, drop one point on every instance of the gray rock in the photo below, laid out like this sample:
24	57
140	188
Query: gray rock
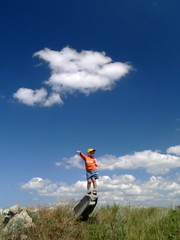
23	218
15	209
6	219
86	206
17	225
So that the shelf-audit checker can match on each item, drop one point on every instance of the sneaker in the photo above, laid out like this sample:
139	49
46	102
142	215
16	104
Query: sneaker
89	192
95	192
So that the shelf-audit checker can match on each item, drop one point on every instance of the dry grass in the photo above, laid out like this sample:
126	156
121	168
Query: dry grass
106	223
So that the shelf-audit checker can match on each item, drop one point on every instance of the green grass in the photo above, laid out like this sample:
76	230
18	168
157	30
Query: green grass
106	223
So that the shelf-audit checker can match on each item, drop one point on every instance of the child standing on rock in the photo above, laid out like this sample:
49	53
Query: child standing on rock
91	172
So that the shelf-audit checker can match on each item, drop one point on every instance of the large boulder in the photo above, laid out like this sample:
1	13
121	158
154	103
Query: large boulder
11	213
16	223
15	209
22	219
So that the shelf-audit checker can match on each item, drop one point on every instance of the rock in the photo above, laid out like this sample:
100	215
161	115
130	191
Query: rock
6	219
22	218
15	209
16	224
11	213
86	205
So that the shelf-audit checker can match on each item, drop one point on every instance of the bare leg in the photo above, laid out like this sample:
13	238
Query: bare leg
94	184
89	185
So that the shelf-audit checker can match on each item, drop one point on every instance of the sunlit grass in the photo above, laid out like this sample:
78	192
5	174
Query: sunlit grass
106	223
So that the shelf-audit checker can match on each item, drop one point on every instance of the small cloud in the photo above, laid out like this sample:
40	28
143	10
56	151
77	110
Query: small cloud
44	187
58	164
35	183
74	161
37	97
71	71
174	150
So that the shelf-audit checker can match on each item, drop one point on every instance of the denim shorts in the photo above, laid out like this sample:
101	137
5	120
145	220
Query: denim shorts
92	174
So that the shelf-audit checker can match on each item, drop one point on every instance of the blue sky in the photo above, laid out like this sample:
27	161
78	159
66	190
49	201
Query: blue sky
90	74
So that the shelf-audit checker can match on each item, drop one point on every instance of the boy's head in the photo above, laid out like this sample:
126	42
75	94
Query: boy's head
91	151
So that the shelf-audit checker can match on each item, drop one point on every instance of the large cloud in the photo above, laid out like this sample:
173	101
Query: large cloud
154	162
116	189
71	71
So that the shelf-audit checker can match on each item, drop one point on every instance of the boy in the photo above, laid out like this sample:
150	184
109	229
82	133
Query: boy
91	173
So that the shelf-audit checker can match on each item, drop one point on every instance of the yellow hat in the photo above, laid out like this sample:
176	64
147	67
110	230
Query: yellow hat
91	150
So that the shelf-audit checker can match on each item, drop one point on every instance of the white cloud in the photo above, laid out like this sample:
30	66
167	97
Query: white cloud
116	189
44	186
35	183
54	98
153	162
31	97
174	150
37	97
75	161
72	71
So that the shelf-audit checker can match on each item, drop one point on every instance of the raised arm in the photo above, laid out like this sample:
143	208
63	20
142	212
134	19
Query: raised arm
81	154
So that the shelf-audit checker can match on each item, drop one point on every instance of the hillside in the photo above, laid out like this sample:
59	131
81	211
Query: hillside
106	223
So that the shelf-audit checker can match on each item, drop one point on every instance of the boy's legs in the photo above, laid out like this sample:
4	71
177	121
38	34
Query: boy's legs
94	184
91	178
89	185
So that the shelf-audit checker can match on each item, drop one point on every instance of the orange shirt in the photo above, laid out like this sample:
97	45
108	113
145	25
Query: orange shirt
90	163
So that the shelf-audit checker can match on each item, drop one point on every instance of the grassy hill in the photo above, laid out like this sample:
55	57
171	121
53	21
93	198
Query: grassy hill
106	223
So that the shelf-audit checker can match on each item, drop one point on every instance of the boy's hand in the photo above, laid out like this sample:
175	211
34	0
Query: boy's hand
78	152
